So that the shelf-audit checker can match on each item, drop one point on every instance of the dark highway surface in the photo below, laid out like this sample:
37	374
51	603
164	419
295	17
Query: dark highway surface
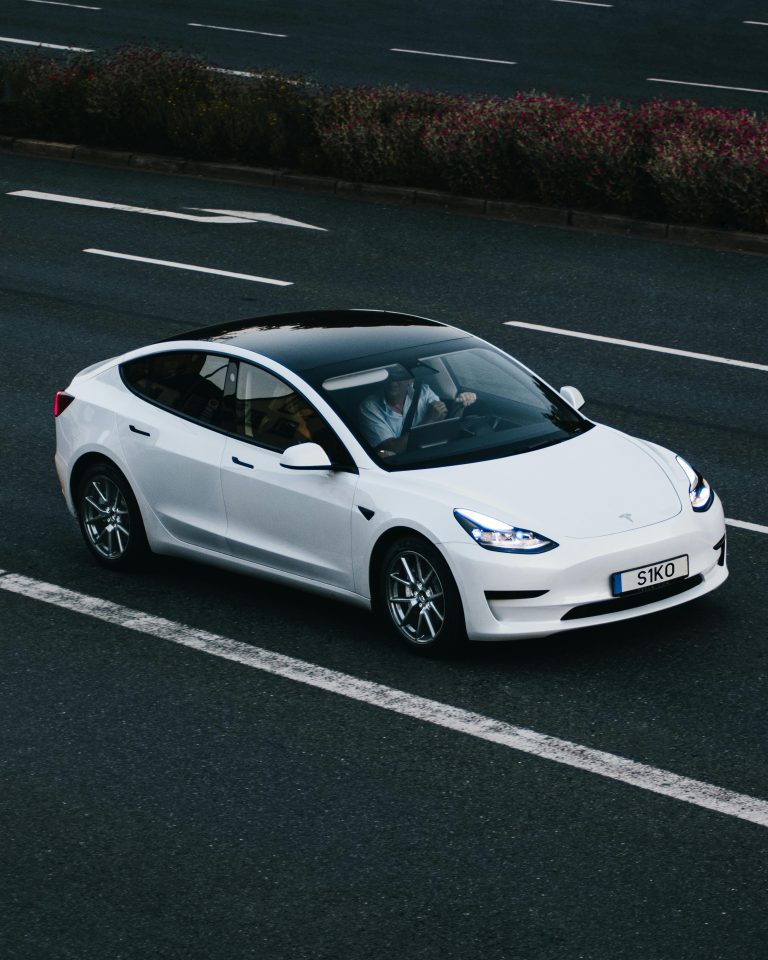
160	802
631	49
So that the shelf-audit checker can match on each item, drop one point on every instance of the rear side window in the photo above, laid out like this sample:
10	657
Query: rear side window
189	382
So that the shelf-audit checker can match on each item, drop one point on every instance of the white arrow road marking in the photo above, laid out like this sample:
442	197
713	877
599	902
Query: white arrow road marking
220	216
626	771
189	266
266	217
104	205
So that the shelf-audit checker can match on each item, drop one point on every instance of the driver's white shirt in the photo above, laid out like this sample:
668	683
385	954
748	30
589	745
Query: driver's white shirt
381	422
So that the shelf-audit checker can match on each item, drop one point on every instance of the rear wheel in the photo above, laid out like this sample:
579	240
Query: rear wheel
109	517
418	597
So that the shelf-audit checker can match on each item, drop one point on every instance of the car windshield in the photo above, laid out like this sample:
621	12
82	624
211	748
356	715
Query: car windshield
453	402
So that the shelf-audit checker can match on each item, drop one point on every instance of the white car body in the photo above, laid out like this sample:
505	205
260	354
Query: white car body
611	502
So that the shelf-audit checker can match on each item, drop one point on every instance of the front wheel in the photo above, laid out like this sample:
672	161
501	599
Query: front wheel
109	517
419	598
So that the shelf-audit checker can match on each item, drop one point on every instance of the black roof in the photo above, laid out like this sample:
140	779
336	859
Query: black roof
311	339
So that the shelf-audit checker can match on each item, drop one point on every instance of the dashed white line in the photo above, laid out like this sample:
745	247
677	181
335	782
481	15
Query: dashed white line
711	86
59	3
48	46
756	23
451	56
261	33
188	266
621	769
712	358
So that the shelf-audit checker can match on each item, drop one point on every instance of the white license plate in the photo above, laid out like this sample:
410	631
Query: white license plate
640	578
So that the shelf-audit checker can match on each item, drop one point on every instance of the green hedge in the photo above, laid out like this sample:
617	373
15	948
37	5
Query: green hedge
669	160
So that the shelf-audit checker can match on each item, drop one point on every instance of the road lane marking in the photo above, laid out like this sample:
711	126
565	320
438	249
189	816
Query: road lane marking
188	266
242	216
643	776
712	86
755	527
48	46
223	216
756	23
637	345
583	3
261	33
125	208
59	3
451	56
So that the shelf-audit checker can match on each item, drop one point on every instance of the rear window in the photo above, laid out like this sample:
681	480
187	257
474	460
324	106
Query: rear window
188	382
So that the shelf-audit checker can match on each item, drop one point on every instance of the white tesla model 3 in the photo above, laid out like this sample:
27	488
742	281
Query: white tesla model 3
388	460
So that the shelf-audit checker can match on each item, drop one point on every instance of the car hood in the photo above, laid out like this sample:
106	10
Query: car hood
596	484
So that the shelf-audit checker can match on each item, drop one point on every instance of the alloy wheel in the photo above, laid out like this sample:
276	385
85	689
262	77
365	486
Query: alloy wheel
415	597
106	517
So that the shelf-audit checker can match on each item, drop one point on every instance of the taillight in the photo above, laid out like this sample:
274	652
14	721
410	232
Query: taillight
61	402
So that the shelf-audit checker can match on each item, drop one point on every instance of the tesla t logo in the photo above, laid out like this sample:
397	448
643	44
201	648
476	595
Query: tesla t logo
627	516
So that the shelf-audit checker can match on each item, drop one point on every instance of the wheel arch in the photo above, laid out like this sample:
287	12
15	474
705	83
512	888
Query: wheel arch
385	541
83	463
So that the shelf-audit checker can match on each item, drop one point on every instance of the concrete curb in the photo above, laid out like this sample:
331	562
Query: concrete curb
528	213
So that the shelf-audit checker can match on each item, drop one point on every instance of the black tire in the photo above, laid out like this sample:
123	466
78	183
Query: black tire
429	621
109	517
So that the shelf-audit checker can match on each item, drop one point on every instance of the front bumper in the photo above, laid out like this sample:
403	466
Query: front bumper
578	573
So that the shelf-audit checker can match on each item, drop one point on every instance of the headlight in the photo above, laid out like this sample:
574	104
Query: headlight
497	535
700	492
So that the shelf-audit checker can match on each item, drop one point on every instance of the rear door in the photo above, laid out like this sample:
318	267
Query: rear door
170	429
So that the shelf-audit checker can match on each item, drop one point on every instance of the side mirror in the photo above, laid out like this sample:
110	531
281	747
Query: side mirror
573	396
305	456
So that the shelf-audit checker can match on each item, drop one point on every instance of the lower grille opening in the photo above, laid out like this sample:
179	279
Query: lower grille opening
617	604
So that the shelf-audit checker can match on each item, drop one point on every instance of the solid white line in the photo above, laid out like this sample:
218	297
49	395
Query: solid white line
598	762
638	346
261	33
48	46
712	86
188	266
122	207
756	23
755	527
58	3
452	56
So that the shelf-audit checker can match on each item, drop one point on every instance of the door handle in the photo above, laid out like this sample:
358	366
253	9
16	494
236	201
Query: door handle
242	463
136	430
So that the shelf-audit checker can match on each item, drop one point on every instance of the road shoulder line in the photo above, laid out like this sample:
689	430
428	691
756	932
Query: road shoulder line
611	766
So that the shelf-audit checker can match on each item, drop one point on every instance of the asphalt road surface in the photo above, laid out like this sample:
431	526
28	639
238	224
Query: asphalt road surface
632	49
161	802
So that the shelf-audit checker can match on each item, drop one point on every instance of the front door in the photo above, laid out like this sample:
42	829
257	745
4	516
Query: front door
295	521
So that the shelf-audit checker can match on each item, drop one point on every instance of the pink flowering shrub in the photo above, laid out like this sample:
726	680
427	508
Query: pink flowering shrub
375	134
665	160
473	149
709	165
578	154
51	96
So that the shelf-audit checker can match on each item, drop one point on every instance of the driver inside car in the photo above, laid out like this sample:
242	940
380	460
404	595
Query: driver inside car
384	414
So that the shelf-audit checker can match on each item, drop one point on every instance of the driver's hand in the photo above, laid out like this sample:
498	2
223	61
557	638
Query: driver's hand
437	411
466	399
